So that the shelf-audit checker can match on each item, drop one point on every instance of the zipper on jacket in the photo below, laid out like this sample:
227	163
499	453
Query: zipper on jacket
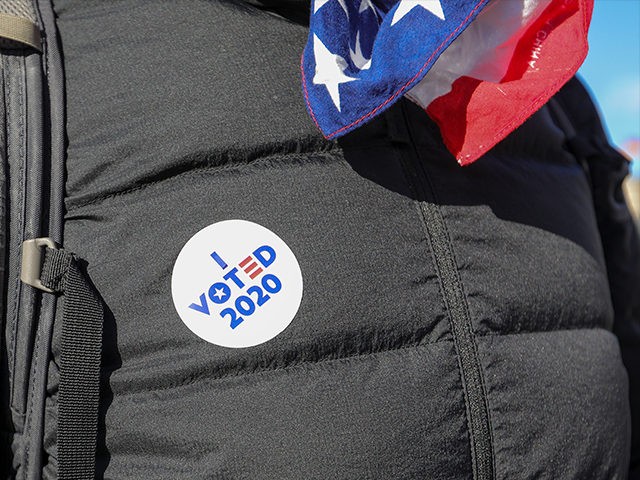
454	297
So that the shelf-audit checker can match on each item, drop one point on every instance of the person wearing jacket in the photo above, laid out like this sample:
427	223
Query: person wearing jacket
272	304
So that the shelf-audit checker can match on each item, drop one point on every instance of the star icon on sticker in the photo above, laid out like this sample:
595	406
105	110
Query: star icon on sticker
219	293
329	70
405	6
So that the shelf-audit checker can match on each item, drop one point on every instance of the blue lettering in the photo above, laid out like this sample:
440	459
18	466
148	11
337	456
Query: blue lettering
265	255
231	275
203	307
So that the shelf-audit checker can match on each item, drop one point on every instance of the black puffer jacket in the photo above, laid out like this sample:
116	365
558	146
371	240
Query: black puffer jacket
454	323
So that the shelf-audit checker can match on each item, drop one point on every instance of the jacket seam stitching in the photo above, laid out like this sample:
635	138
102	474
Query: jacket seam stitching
472	333
469	364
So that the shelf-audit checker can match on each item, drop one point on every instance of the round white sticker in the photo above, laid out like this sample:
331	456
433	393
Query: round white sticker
236	284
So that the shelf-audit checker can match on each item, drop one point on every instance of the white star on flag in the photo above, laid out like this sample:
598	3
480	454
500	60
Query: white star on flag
318	4
357	57
329	70
405	6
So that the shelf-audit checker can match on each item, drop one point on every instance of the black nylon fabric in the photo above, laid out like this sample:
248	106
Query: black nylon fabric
607	169
297	11
161	77
175	124
553	398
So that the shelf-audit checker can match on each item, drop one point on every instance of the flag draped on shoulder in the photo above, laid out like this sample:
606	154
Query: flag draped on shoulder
479	68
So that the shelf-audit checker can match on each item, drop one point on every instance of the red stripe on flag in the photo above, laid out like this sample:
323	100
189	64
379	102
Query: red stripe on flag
245	261
475	115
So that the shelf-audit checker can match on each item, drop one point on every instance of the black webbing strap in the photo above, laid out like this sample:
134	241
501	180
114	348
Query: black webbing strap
81	350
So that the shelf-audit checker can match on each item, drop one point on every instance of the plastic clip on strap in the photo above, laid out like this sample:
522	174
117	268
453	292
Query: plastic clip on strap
58	271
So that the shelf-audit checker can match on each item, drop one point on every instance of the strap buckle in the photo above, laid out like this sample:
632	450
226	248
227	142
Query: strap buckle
32	260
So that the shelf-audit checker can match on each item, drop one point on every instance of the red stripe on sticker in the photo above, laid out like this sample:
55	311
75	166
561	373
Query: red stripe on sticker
245	261
250	267
255	274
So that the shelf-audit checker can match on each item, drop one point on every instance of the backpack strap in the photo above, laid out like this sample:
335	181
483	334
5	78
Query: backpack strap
32	139
62	272
18	25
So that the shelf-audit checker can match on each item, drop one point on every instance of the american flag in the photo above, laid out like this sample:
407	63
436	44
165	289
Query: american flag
479	68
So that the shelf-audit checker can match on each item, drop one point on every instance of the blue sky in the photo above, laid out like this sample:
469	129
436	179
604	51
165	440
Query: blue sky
612	68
